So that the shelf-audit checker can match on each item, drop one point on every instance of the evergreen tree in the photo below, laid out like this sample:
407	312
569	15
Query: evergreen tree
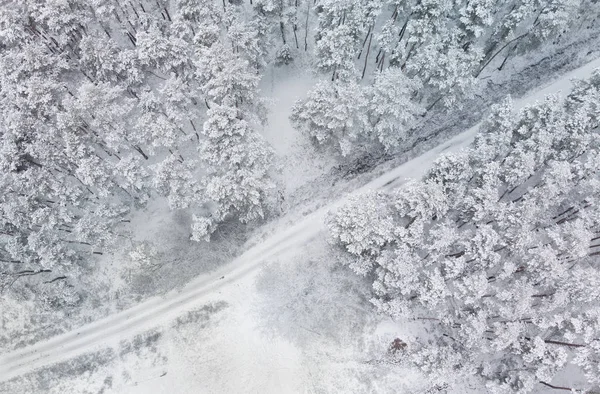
496	247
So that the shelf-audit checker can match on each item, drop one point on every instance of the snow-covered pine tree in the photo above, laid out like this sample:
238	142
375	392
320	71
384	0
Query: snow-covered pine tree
441	46
65	188
391	109
341	27
281	15
351	118
237	158
495	248
333	115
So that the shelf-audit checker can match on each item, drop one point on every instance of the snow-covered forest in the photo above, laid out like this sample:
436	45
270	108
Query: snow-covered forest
281	175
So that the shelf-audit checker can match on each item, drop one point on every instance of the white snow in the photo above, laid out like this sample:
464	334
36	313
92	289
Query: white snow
298	161
237	356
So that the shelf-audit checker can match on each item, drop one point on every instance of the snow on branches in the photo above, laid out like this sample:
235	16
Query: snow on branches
392	61
496	247
107	105
349	117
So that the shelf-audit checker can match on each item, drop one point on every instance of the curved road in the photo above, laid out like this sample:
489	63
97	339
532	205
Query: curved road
110	330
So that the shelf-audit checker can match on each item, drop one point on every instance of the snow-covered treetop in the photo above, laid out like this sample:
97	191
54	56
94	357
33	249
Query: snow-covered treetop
496	245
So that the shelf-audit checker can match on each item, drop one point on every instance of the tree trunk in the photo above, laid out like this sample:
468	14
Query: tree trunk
282	28
306	28
365	41
366	57
498	52
140	151
296	36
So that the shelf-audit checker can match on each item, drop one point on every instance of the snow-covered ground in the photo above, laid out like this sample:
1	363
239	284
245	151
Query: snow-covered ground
299	162
280	318
308	179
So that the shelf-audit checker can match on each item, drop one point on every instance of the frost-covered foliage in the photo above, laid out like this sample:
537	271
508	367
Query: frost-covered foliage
105	105
352	117
496	247
108	104
416	54
237	158
333	113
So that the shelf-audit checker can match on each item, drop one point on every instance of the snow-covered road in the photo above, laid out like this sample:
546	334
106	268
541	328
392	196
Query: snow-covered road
110	330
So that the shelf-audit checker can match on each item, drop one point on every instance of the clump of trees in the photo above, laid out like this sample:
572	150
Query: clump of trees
496	248
106	104
390	61
351	117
